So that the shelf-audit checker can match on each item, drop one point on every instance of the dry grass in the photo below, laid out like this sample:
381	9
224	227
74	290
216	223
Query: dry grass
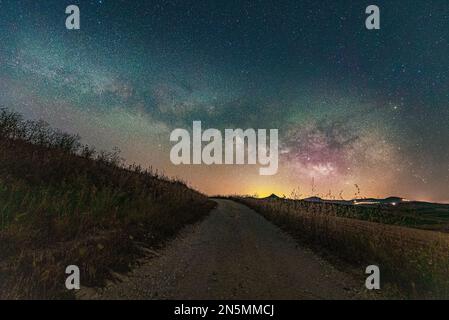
416	261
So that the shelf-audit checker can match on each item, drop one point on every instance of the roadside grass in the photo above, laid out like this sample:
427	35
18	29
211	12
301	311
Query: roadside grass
414	261
62	203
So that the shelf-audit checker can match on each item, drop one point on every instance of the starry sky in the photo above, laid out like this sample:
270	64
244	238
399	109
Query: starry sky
358	111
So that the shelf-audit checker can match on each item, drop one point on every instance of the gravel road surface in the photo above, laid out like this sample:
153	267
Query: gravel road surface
234	253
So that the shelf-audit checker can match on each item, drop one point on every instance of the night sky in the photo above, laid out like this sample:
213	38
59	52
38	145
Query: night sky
353	106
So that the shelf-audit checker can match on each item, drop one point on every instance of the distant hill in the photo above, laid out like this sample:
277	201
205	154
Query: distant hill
314	199
272	196
393	201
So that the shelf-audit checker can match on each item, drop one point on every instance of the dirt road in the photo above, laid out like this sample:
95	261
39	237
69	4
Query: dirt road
233	254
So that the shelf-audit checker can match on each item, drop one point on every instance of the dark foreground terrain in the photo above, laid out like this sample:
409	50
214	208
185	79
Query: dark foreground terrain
63	203
233	254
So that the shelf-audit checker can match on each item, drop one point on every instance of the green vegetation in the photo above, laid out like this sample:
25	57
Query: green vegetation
415	261
62	203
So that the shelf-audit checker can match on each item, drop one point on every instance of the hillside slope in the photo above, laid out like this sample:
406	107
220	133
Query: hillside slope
61	203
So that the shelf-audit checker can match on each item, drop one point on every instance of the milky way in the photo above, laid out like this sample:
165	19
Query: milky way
353	107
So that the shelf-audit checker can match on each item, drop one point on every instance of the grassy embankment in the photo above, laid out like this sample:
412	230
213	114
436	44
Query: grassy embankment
61	203
414	261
